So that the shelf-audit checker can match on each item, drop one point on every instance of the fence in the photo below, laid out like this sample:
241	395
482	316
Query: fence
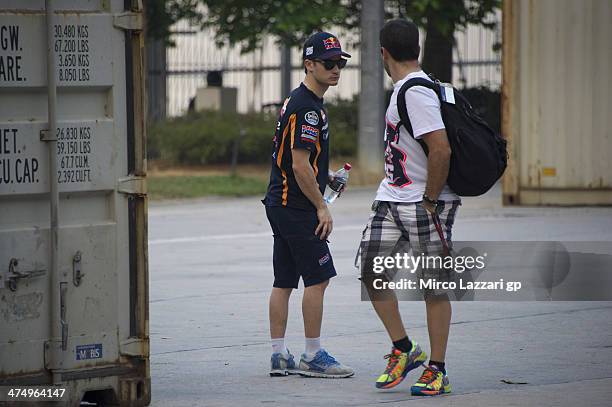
256	75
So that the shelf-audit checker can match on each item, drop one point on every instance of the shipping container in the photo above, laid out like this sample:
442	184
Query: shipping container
73	214
557	102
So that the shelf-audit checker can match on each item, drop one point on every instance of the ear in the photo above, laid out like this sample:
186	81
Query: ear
309	65
384	52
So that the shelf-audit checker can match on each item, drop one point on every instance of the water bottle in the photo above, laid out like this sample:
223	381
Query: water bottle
339	181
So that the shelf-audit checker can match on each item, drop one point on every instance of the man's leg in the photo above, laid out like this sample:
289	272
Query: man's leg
279	311
434	379
315	361
388	312
438	324
285	279
282	362
439	310
382	237
312	309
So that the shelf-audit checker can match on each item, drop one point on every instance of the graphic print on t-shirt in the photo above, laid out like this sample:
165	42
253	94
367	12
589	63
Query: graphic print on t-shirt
395	158
405	161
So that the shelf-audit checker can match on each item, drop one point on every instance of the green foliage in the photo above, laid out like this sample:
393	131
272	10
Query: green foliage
448	15
343	127
248	22
208	137
440	19
204	185
161	14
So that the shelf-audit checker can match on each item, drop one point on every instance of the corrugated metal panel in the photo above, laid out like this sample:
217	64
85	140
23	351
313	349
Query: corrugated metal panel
557	101
83	323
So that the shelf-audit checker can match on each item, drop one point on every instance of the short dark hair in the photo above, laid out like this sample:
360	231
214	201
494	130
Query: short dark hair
401	38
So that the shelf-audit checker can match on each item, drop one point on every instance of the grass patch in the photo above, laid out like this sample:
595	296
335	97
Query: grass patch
193	186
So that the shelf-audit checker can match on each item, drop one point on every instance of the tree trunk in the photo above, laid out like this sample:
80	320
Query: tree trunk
438	53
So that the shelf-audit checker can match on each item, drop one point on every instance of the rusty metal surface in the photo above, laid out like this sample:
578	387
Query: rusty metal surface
556	101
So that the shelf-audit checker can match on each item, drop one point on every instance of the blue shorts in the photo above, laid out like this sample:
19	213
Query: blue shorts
298	252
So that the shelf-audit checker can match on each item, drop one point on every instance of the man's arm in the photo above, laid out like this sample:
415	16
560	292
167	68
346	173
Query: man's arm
304	175
438	163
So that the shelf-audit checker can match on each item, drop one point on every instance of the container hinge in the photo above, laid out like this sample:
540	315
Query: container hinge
51	355
132	185
13	275
135	347
128	21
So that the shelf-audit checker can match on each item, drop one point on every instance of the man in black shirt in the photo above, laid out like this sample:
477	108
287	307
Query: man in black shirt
298	215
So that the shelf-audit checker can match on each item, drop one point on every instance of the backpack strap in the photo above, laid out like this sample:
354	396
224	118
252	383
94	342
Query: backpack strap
403	111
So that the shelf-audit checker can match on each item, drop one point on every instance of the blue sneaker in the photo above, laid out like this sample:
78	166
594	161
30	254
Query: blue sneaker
324	365
282	365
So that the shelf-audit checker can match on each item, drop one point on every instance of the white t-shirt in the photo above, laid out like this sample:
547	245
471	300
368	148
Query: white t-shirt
405	160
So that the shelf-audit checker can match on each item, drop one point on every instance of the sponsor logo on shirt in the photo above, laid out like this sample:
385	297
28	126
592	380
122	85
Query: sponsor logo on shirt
312	118
309	134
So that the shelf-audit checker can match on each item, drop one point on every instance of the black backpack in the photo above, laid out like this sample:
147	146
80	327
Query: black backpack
478	157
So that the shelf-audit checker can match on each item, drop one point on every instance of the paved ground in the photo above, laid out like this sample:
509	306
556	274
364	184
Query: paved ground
210	270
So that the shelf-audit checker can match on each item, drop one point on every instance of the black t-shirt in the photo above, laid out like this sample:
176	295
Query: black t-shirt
302	123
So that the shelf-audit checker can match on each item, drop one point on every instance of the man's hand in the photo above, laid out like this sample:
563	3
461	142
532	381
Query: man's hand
326	224
429	207
304	175
330	178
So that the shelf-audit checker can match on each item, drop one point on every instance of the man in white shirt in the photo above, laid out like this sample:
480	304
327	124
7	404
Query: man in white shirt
412	193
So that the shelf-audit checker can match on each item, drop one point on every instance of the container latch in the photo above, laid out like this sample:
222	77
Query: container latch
13	274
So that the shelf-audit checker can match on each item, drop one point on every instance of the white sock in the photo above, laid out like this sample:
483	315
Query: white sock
278	346
312	346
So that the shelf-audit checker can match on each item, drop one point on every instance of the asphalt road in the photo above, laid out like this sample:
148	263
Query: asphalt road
210	276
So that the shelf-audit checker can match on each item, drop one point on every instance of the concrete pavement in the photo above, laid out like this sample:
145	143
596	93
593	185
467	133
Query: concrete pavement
210	276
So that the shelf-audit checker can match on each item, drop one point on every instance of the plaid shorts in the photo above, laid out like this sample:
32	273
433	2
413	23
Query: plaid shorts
398	228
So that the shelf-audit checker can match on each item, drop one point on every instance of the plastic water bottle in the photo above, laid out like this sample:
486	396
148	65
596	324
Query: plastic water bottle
335	187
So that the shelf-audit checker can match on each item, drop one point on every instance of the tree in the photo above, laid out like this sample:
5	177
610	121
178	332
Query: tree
161	14
440	19
248	22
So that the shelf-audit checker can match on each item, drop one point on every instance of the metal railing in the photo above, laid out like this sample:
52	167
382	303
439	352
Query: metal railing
257	75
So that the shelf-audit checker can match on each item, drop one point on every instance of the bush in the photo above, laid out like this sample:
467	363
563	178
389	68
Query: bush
344	123
208	137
